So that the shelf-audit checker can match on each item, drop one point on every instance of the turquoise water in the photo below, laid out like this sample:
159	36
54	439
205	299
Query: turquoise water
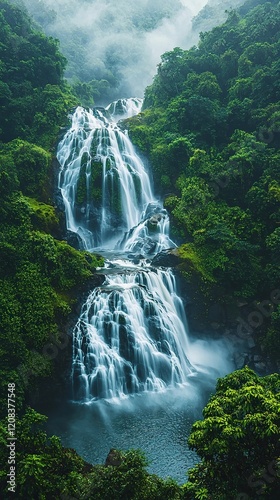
159	424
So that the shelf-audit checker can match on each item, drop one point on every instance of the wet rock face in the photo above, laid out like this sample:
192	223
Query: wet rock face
58	201
167	258
144	247
145	238
152	222
74	240
154	209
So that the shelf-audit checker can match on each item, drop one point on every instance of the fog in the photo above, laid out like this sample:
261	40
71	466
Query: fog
118	41
122	42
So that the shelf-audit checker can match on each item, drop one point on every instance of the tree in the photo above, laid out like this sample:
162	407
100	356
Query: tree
238	440
34	98
172	71
43	467
126	478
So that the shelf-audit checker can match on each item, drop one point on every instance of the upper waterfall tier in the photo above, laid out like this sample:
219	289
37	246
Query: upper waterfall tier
124	108
105	187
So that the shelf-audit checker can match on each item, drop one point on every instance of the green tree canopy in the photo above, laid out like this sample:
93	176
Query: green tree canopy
238	440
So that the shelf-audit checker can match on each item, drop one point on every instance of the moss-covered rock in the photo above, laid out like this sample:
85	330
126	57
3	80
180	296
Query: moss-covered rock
43	216
81	192
95	188
191	262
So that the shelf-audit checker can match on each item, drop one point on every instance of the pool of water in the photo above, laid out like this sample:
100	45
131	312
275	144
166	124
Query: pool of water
159	424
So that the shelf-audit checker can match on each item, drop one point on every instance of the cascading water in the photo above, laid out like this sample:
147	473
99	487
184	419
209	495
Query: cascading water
124	108
104	185
131	334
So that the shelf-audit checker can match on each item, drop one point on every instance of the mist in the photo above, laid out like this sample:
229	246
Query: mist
120	42
158	423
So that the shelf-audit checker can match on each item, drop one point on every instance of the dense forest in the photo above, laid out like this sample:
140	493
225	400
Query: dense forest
210	127
211	130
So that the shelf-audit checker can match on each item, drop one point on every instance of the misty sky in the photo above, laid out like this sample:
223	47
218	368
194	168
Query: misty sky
123	38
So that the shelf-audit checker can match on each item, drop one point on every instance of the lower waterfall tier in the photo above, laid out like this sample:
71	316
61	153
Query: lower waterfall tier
131	335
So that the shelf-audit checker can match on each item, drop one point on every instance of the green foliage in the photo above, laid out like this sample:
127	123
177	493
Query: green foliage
53	104
238	440
193	261
44	469
31	165
272	339
210	126
38	275
8	175
128	480
88	92
168	157
34	98
43	217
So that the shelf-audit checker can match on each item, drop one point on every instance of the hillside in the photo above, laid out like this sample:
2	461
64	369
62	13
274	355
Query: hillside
38	272
211	130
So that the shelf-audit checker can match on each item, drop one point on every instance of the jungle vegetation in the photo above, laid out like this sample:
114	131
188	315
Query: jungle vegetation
38	270
211	129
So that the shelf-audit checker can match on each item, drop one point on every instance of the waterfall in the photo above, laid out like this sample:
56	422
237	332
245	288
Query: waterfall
124	108
131	335
104	185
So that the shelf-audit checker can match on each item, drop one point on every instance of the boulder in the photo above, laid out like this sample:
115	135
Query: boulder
152	222
74	240
113	458
167	258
